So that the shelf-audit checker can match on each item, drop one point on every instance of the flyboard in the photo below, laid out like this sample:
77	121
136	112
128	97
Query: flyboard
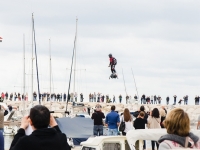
113	76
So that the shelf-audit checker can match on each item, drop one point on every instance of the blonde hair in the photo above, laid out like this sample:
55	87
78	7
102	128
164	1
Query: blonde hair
162	112
177	122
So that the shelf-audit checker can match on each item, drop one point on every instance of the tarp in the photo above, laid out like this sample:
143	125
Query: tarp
78	128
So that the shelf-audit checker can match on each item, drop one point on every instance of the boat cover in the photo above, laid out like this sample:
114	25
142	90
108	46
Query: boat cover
78	128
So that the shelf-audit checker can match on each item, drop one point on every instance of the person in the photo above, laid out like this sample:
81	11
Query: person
120	98
139	123
113	98
4	110
154	123
112	63
1	141
64	96
94	96
143	99
163	113
42	137
142	109
177	124
127	98
112	121
135	97
167	100
179	102
81	97
175	99
198	123
98	117
155	99
127	118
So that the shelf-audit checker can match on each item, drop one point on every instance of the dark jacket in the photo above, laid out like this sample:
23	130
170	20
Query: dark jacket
40	139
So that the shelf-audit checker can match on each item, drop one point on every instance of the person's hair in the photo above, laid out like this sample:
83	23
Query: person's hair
127	115
142	108
40	116
113	107
162	112
141	114
177	122
98	107
155	113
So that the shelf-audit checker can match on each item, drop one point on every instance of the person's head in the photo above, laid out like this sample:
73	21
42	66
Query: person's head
155	113
39	117
141	114
113	107
98	107
127	115
110	55
142	108
177	122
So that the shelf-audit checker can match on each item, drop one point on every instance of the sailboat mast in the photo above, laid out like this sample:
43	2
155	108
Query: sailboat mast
75	57
68	96
24	80
32	67
50	64
36	62
124	83
135	83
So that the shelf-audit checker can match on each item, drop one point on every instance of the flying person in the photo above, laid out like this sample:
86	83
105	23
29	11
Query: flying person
112	64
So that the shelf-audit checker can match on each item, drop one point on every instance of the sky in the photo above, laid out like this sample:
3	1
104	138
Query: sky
155	42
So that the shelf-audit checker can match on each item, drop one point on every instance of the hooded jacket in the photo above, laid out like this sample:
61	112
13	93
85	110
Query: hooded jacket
172	141
40	139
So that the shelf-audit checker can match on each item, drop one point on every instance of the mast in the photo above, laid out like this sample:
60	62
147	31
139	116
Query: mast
36	62
68	96
24	80
32	66
124	83
75	57
50	65
135	83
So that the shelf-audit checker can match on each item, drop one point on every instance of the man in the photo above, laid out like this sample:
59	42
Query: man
120	98
4	110
174	100
143	99
112	121
142	109
112	63
42	137
167	100
98	116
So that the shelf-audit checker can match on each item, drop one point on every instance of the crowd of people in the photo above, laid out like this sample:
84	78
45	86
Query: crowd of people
46	132
177	124
98	97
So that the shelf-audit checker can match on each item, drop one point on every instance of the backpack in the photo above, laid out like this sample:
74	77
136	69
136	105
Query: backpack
122	126
114	61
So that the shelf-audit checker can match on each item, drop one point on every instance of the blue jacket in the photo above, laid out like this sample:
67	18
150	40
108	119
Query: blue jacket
112	119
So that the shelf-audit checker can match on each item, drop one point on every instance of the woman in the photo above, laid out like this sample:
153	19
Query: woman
163	113
127	118
154	123
179	136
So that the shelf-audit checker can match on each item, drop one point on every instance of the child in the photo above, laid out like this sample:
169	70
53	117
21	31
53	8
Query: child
139	123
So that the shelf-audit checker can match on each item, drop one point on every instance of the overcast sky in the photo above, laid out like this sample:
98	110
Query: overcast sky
159	40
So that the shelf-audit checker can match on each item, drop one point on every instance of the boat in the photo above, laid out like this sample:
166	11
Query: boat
125	142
